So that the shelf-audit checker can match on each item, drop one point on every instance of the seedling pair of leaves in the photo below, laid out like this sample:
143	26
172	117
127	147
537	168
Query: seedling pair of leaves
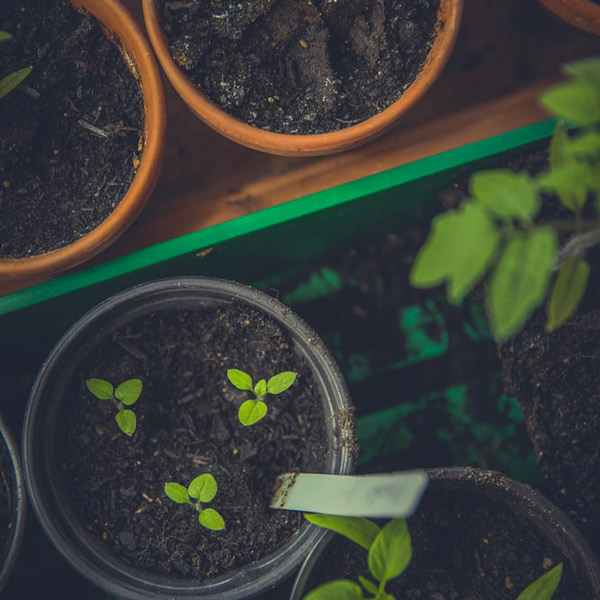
252	411
389	554
493	232
126	394
12	80
201	490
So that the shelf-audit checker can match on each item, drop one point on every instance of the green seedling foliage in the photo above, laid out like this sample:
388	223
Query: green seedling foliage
520	281
126	394
505	194
361	531
458	251
202	489
253	410
12	80
567	292
544	587
389	553
492	236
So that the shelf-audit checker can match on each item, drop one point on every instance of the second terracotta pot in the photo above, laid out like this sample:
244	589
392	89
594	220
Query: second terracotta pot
449	16
584	14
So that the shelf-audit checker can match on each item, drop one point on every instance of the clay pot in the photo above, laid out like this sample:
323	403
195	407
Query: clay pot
584	14
449	14
138	55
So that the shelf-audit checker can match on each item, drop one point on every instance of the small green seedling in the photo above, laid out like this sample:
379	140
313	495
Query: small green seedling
389	554
543	587
201	490
12	80
126	394
252	411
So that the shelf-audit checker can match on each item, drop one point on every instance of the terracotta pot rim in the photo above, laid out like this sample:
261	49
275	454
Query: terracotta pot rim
306	145
138	54
583	14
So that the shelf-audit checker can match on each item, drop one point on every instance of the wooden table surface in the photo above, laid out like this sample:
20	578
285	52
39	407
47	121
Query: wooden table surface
507	52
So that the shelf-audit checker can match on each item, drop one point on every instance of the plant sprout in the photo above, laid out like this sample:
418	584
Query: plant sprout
202	489
252	411
493	233
126	394
389	554
12	80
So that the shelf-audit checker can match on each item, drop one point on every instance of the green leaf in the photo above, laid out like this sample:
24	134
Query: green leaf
360	531
569	183
176	492
587	69
241	380
459	249
567	292
103	390
340	589
211	519
126	421
260	389
577	101
12	80
520	280
544	587
252	411
204	488
558	146
585	145
506	194
129	391
281	382
391	551
368	585
5	36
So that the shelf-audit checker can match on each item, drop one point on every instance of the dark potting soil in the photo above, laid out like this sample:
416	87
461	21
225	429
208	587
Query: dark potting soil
464	548
70	134
301	67
188	425
7	488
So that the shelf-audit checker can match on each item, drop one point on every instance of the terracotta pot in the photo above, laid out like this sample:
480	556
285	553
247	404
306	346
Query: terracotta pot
306	145
138	55
581	13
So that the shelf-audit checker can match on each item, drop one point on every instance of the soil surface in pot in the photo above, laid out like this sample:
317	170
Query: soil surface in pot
188	425
464	548
71	133
301	67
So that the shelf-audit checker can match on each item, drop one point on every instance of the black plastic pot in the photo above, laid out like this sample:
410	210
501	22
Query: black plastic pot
17	509
87	553
521	500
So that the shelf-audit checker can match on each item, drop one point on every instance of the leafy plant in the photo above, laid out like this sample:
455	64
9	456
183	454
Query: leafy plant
126	394
12	80
201	490
493	234
252	411
389	554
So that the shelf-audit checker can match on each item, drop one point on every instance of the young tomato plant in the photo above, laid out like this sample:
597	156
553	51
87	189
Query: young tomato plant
12	80
389	554
201	490
252	411
126	394
494	235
